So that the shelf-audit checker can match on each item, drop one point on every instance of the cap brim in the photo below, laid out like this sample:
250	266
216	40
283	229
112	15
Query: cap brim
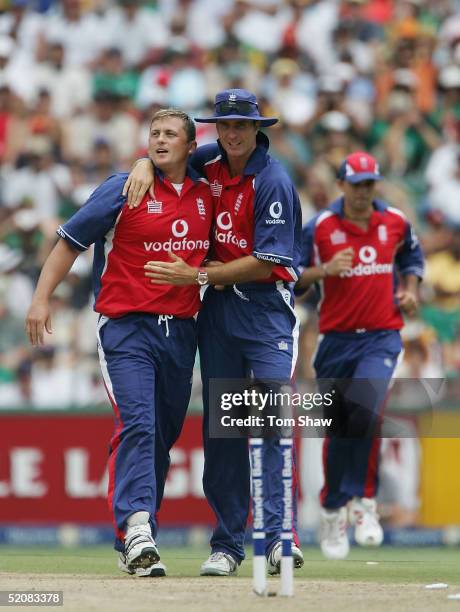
264	121
364	176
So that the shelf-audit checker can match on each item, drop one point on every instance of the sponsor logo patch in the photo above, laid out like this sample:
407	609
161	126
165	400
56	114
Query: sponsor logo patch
154	206
275	210
338	237
238	202
382	233
216	188
201	207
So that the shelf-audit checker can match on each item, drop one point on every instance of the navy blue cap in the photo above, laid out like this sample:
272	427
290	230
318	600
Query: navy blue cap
237	104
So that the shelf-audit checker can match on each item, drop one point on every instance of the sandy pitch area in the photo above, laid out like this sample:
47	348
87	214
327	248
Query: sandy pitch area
108	593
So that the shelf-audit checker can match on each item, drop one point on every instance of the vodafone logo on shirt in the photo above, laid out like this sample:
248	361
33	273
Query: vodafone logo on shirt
224	233
180	228
367	254
179	240
368	265
275	210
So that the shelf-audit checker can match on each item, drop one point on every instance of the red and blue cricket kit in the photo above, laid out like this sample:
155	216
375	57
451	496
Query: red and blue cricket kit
247	330
359	320
146	332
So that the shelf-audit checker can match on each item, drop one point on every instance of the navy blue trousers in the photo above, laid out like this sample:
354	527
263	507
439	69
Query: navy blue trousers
147	365
251	331
360	367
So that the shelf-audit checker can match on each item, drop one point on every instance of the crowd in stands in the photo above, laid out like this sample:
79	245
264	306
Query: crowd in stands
79	80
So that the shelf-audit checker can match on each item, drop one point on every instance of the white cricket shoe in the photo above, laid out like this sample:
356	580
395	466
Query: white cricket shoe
219	564
363	515
140	547
333	533
274	558
155	570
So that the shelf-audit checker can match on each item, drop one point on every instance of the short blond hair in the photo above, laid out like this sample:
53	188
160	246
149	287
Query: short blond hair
189	125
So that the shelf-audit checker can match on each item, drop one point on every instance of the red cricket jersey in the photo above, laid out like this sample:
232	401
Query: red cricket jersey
363	298
255	214
126	239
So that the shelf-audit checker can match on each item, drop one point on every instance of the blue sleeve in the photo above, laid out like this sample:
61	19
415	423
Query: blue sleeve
307	251
276	215
409	259
202	155
97	216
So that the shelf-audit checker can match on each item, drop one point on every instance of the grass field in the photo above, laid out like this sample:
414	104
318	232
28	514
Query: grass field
91	581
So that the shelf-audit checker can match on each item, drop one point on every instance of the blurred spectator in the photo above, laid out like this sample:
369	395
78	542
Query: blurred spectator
259	27
442	165
13	343
135	31
442	311
444	195
103	121
15	286
314	33
82	35
24	26
354	18
404	136
292	92
16	75
69	86
42	122
186	85
112	77
40	180
229	66
13	121
57	383
422	354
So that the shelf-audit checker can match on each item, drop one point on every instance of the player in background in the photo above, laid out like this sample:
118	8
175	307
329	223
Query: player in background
366	262
146	334
249	328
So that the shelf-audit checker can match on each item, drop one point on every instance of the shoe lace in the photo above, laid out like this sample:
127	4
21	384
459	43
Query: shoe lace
366	513
371	515
335	528
136	535
218	556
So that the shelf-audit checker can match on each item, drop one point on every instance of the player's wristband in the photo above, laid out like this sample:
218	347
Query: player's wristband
324	269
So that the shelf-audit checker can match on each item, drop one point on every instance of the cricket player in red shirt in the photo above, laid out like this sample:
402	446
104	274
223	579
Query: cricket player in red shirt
146	334
366	263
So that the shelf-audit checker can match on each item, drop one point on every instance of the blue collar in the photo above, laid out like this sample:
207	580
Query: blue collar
258	159
337	206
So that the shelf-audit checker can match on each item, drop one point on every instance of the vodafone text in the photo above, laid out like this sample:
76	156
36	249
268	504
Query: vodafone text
176	245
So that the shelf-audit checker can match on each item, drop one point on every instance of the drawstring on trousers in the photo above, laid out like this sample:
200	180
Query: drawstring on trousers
240	294
164	319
